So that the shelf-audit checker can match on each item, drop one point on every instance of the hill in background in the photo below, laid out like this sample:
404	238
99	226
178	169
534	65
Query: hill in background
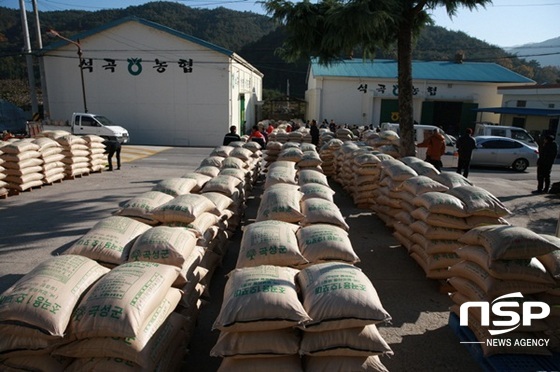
253	36
546	53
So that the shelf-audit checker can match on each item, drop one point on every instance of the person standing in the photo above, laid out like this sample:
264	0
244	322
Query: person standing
547	155
465	146
113	147
435	148
314	132
231	136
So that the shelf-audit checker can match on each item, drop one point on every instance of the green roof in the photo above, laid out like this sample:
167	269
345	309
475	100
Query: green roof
421	70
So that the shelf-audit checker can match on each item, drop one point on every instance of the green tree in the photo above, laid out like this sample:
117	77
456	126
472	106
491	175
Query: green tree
333	28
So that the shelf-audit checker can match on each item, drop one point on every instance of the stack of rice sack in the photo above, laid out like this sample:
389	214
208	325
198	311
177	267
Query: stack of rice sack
498	261
76	155
298	135
272	150
36	312
342	163
22	165
328	152
442	218
310	158
298	227
279	134
96	148
344	134
51	153
366	170
389	198
386	141
128	315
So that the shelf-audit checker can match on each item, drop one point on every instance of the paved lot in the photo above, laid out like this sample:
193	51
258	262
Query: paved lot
43	222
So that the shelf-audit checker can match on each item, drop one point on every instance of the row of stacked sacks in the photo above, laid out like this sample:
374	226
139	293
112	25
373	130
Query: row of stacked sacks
126	295
295	301
32	162
457	231
516	265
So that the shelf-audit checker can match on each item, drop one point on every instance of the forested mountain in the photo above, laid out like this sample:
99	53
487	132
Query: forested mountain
253	36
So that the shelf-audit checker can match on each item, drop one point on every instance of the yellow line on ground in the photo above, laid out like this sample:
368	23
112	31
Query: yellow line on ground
131	153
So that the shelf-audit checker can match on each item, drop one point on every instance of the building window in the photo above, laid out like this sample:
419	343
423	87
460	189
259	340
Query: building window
522	103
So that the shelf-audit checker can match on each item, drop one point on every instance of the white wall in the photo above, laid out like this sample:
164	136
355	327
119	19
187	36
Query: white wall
168	108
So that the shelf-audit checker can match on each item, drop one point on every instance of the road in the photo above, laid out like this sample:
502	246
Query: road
46	221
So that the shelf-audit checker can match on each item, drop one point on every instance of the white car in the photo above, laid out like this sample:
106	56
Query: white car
504	152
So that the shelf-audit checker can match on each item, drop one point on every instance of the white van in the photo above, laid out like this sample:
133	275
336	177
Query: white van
420	133
520	134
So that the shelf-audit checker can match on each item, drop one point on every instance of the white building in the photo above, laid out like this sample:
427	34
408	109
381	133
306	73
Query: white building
165	87
536	108
365	92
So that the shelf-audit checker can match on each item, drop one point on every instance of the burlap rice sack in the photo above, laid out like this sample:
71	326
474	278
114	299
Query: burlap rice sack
323	242
175	186
140	206
46	296
257	344
280	202
479	201
184	209
270	243
277	364
260	298
120	304
339	295
318	210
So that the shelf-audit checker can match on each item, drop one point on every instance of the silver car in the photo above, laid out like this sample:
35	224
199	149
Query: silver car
504	152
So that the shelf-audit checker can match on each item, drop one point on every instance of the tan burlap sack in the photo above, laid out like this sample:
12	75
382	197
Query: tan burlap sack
452	179
492	286
43	363
439	219
146	349
306	176
277	364
433	246
310	159
241	153
443	203
477	220
479	201
260	298
361	341
120	303
531	270
508	242
175	186
109	240
142	205
184	208
339	295
436	232
271	242
314	190
208	171
222	151
212	161
22	337
22	164
46	296
226	185
163	244
200	179
322	242
18	147
421	184
241	174
343	363
262	344
280	202
397	170
318	210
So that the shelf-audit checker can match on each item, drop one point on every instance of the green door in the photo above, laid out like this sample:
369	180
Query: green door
242	114
389	111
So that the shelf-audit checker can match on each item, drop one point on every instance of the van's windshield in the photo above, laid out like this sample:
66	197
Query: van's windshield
521	135
103	120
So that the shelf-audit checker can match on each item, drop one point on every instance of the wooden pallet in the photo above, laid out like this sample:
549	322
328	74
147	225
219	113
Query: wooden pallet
66	178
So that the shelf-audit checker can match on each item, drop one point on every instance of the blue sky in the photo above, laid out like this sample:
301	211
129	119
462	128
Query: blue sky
504	23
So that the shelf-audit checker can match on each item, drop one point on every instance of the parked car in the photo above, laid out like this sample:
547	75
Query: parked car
504	152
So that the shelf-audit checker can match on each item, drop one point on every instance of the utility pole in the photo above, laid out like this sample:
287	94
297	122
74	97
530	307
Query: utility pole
46	109
29	58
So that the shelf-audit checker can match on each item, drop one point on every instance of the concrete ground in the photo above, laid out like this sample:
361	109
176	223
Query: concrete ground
43	222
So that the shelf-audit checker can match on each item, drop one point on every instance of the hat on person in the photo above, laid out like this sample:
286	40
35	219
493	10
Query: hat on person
469	131
549	137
